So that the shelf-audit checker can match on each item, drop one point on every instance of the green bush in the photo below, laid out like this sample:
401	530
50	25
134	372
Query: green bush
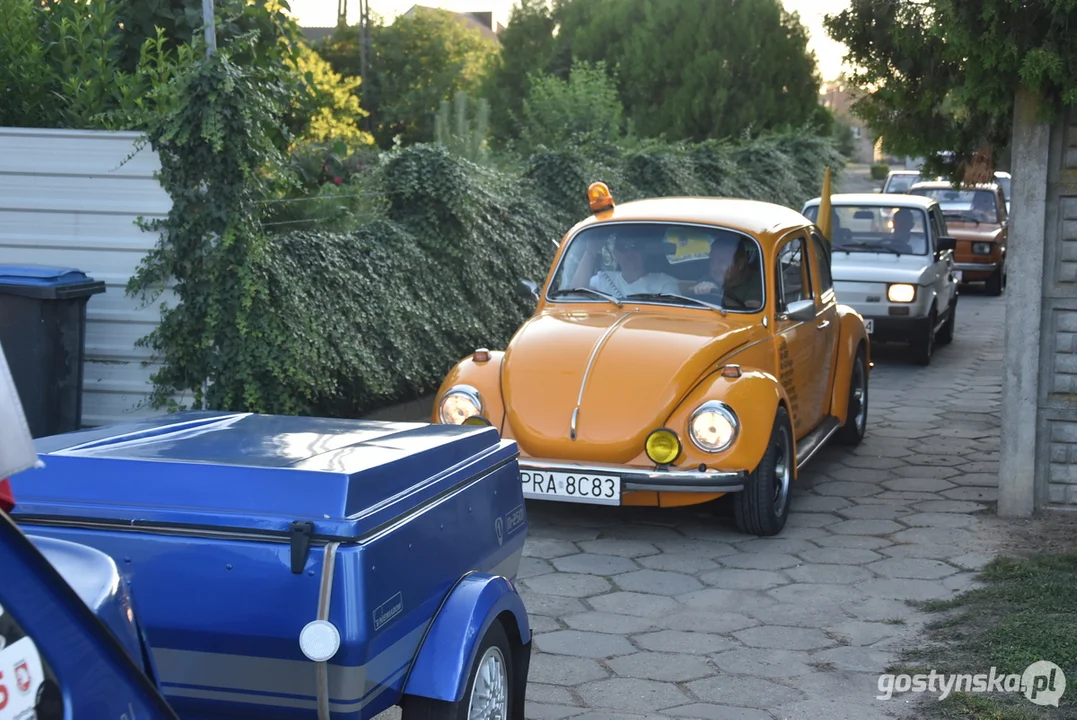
879	171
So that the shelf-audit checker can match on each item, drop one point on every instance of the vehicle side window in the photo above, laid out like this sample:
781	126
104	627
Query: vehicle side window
822	262
938	226
794	279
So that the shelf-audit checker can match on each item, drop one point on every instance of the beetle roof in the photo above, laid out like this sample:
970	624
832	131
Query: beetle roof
749	216
880	199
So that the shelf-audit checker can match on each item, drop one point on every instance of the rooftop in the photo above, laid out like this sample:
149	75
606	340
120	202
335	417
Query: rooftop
879	199
750	216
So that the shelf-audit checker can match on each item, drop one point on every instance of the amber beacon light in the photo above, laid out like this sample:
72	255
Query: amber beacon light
598	195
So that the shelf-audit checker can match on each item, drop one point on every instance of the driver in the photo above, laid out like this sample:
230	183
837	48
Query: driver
731	275
901	238
632	278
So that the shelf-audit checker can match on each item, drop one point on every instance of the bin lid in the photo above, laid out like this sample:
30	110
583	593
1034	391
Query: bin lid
253	473
47	281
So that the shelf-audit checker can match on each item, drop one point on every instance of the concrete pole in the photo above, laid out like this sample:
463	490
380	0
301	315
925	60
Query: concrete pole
209	21
1018	466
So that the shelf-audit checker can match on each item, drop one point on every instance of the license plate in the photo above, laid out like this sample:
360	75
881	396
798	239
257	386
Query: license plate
869	325
957	275
571	487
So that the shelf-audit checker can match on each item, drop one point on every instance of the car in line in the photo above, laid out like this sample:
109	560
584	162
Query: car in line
899	181
977	218
680	349
893	263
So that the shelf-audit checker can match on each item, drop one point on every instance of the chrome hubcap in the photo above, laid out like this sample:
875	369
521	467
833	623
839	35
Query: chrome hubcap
490	694
782	471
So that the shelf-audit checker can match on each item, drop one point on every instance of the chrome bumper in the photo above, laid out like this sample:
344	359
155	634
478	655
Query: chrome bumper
975	267
636	478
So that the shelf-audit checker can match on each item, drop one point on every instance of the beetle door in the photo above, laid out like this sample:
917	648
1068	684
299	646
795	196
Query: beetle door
797	340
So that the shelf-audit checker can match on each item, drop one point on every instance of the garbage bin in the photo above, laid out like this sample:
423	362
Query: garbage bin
43	334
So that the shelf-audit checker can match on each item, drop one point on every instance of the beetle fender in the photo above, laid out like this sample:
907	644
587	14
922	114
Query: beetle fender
484	377
851	337
754	397
447	653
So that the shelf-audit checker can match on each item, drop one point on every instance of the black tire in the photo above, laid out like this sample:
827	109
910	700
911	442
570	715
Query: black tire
414	707
924	347
946	335
762	507
993	286
856	425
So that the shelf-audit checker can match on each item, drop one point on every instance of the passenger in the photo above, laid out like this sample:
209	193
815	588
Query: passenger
732	275
631	279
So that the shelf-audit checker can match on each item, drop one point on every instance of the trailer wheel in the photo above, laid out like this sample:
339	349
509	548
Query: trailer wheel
488	694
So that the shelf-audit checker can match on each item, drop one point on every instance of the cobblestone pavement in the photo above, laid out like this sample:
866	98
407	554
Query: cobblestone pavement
642	613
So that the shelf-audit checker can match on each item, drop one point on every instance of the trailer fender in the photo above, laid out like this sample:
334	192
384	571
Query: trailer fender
444	660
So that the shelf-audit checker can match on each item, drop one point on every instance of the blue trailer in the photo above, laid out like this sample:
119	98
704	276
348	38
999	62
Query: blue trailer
292	567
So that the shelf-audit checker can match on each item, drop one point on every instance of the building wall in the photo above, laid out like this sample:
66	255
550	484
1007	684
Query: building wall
68	198
839	100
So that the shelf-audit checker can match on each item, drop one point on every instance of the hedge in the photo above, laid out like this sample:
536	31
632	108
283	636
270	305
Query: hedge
377	316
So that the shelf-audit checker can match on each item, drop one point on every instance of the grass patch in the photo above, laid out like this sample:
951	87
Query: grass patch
1026	612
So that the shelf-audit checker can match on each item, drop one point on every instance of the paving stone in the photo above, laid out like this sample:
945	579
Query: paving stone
706	711
918	484
760	561
569	584
817	504
618	546
972	561
583	644
610	623
880	449
832	709
808	519
679	641
543	693
856	659
783	638
949	506
773	546
866	527
803	533
954	537
981	467
878	609
937	472
912	550
840	556
961	583
632	694
647	533
734	579
983	494
543	623
552	605
589	563
677	563
547	711
861	474
976	479
860	632
561	670
934	460
854	542
763	662
566	533
872	463
738	690
706	622
828	574
844	488
902	589
815	593
874	511
717	600
707	549
665	667
548	548
913	568
657	582
906	496
796	615
942	520
631	603
533	566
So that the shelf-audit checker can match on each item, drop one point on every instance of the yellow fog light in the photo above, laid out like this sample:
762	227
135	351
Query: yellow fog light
662	446
476	420
901	293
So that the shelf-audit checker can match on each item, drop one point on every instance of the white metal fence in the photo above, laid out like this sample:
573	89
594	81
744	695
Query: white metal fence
68	198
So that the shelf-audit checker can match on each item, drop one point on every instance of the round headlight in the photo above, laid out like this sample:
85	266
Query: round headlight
901	293
662	446
713	426
460	403
319	640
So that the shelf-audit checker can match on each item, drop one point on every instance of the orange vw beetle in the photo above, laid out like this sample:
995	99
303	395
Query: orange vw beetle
681	349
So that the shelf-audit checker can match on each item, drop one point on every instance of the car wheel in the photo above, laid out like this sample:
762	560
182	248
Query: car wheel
994	283
946	336
488	694
924	346
856	420
762	507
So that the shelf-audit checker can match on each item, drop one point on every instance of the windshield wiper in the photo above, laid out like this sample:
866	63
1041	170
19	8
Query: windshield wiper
590	291
869	247
651	296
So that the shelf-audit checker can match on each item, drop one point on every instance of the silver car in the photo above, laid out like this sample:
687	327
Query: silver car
893	262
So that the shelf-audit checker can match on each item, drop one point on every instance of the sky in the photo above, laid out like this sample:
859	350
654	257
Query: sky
323	13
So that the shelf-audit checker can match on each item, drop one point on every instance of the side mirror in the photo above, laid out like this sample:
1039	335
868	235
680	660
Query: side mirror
800	311
945	242
527	289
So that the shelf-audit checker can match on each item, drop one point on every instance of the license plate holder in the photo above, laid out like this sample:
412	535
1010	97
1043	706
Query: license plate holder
869	325
578	487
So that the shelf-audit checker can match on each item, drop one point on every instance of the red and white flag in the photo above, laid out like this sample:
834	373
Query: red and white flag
16	444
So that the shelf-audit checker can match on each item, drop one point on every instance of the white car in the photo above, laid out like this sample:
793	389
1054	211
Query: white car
892	261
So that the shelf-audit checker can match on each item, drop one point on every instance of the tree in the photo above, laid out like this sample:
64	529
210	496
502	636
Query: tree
560	114
954	66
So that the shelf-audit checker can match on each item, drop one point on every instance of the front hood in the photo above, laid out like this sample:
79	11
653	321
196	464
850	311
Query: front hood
971	231
879	267
633	367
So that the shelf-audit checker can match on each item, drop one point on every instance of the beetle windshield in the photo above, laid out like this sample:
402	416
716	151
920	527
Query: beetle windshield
977	206
663	263
876	229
